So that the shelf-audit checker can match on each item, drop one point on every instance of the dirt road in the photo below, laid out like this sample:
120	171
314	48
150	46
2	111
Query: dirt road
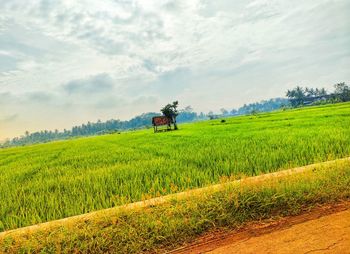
323	230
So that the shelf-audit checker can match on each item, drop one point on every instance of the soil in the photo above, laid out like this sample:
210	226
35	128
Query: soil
323	229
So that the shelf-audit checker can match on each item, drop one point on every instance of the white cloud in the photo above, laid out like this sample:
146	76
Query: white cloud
208	54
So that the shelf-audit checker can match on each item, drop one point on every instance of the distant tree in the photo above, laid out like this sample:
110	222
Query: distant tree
262	106
310	92
211	115
201	115
98	128
224	112
170	111
188	109
297	96
254	112
233	112
342	91
322	92
186	115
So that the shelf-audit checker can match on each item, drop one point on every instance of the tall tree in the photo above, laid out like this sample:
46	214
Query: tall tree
310	92
322	92
171	112
297	96
342	91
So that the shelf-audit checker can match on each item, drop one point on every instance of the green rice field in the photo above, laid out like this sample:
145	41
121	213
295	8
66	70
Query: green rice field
50	181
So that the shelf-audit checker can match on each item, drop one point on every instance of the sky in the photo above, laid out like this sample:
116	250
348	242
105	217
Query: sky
66	62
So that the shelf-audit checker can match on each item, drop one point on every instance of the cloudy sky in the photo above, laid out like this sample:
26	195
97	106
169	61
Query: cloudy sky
65	62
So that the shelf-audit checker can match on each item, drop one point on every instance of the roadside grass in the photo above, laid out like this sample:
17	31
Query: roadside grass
56	180
164	226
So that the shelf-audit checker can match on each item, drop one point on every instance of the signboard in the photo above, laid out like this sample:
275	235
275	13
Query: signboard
160	120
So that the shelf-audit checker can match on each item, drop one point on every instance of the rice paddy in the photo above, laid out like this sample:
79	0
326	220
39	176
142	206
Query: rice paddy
50	181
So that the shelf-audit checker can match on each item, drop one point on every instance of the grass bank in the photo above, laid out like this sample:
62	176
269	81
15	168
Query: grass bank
154	228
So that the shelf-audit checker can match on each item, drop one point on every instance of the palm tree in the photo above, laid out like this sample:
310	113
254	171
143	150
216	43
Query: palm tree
296	95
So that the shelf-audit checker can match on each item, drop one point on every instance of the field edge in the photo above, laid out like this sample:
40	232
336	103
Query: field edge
166	221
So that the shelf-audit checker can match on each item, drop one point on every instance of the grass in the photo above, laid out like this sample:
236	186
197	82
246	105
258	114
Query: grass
167	225
50	181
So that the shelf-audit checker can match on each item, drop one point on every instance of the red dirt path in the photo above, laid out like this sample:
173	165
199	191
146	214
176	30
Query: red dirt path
322	230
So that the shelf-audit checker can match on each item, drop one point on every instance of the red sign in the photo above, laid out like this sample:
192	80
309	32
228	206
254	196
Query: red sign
160	120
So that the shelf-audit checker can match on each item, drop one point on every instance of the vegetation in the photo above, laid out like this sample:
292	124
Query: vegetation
297	97
139	122
88	129
342	92
171	112
51	181
263	106
305	96
99	128
167	225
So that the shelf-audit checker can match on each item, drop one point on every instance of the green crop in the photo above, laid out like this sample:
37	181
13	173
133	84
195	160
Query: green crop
50	181
157	227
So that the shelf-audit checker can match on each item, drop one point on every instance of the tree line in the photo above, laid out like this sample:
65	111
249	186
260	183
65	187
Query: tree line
297	97
97	128
300	96
139	122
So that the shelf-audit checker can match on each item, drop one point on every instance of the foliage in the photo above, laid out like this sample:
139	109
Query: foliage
342	91
305	96
51	181
297	95
263	106
99	128
138	122
166	226
171	112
